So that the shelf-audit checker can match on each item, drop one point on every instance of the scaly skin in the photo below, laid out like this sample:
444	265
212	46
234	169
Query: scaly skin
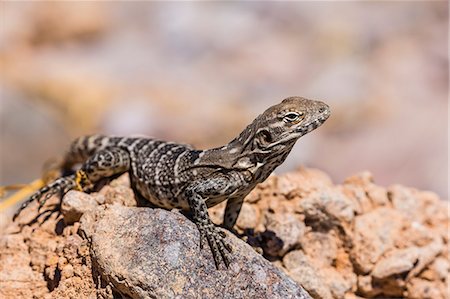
171	175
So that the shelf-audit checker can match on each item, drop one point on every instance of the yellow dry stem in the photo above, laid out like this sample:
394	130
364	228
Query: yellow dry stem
24	192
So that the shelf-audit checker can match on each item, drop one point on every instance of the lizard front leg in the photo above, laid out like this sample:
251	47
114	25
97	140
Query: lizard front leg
232	211
195	195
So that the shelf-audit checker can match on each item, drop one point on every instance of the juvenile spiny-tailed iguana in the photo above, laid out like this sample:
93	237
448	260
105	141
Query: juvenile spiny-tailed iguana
171	175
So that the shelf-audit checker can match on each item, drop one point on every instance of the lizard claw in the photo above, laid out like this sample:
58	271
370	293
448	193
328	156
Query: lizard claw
47	196
222	233
217	243
61	185
202	238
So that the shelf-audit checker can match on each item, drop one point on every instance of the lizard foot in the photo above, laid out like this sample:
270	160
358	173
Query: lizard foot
82	182
59	186
216	241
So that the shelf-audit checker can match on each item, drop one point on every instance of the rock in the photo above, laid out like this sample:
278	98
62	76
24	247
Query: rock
337	284
424	289
75	204
441	267
369	287
427	255
299	267
17	279
378	195
327	207
364	192
357	194
374	234
320	247
264	189
249	217
404	200
119	194
398	261
153	253
288	228
344	266
216	213
335	240
302	182
418	206
269	242
360	179
434	212
366	288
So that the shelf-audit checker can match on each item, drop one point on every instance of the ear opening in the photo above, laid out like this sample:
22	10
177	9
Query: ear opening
264	137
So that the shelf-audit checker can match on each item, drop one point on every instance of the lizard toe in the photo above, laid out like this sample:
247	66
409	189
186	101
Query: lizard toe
219	246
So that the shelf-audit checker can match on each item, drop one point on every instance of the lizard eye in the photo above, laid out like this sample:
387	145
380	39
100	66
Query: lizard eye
292	116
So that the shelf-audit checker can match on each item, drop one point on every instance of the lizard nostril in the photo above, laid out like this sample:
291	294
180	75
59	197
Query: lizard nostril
321	110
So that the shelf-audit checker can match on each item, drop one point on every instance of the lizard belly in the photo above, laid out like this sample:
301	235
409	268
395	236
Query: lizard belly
160	196
211	202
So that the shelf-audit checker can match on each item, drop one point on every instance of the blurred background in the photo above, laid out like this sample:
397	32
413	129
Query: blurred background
199	72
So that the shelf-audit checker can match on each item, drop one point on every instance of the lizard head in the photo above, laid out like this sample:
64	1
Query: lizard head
284	123
270	137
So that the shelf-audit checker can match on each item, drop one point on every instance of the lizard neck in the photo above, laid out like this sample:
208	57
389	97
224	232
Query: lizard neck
241	154
225	156
234	155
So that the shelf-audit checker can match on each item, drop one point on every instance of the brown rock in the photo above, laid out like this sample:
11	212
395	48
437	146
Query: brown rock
336	283
364	192
265	189
288	228
299	267
302	182
337	240
374	234
378	195
441	267
249	217
419	206
75	204
17	279
423	289
360	179
426	255
321	248
119	194
361	202
370	287
366	288
327	207
397	262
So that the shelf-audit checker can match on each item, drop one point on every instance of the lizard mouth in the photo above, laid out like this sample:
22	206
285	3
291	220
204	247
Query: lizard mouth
312	125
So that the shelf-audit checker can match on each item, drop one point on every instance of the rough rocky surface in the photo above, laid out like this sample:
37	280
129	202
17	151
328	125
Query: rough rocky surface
353	240
153	253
